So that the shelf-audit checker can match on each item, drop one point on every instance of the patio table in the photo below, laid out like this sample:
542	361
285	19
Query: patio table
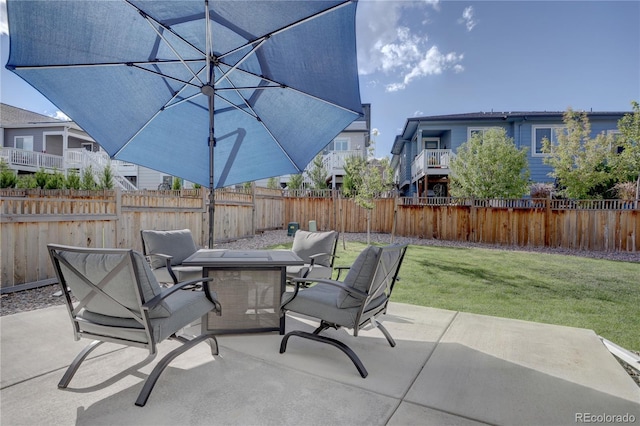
249	285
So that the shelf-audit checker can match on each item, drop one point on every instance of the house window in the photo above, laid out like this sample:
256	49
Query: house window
541	133
24	142
341	144
472	131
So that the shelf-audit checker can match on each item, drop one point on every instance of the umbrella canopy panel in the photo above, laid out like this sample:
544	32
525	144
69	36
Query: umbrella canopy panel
138	76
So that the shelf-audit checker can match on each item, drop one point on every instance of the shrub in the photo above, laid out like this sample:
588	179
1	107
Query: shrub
626	190
541	190
55	181
176	185
27	182
41	178
87	182
8	178
73	180
106	178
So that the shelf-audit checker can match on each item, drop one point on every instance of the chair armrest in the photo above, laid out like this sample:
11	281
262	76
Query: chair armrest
340	269
167	260
352	291
156	300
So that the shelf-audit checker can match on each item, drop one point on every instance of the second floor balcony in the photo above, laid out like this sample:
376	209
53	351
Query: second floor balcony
431	162
334	161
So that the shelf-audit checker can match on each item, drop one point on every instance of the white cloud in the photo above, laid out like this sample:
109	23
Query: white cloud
418	113
386	45
59	115
434	62
4	26
467	18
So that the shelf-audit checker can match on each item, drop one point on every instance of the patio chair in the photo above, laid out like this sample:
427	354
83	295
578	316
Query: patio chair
317	250
112	296
166	250
360	299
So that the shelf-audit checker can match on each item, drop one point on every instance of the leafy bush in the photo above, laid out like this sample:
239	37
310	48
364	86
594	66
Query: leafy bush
8	178
55	181
27	182
626	190
541	190
87	182
41	178
176	185
106	178
73	180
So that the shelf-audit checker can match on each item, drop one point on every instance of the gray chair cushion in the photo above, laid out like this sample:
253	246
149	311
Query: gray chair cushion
306	244
184	307
96	266
179	244
360	276
320	301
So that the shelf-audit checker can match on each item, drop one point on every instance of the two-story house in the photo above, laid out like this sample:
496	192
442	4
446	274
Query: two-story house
421	154
30	141
354	140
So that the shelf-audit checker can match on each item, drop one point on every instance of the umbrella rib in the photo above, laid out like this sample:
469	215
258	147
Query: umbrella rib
257	118
186	83
167	27
283	86
238	63
163	38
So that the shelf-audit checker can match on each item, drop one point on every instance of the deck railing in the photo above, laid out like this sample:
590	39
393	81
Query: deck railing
431	161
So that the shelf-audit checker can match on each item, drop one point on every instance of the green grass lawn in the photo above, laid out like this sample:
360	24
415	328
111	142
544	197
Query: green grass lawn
601	295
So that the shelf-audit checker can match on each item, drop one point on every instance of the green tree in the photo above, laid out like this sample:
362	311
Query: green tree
364	180
8	178
73	179
354	167
580	163
318	174
273	183
41	178
55	180
176	184
490	166
87	182
106	178
295	181
27	182
625	165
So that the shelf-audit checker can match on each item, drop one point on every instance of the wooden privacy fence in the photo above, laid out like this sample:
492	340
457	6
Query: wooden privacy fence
600	225
31	219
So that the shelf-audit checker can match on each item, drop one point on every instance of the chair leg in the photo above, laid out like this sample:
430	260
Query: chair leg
71	371
333	342
387	335
164	362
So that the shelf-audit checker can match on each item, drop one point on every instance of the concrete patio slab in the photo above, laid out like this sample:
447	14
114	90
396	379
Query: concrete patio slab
448	368
503	371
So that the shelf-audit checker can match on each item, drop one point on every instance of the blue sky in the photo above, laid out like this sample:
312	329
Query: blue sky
431	57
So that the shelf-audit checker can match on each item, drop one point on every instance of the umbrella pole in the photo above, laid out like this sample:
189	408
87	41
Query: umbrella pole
212	144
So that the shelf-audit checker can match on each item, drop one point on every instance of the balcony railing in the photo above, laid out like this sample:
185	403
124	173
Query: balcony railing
431	162
72	159
334	161
31	160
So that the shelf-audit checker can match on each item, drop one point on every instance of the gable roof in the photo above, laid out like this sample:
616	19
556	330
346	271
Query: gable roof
14	116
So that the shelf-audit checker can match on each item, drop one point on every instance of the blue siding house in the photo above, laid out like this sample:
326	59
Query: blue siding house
421	154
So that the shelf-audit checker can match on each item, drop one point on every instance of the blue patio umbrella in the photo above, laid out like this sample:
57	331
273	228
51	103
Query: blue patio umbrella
215	92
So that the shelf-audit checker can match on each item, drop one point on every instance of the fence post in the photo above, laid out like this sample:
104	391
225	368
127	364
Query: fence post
547	222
